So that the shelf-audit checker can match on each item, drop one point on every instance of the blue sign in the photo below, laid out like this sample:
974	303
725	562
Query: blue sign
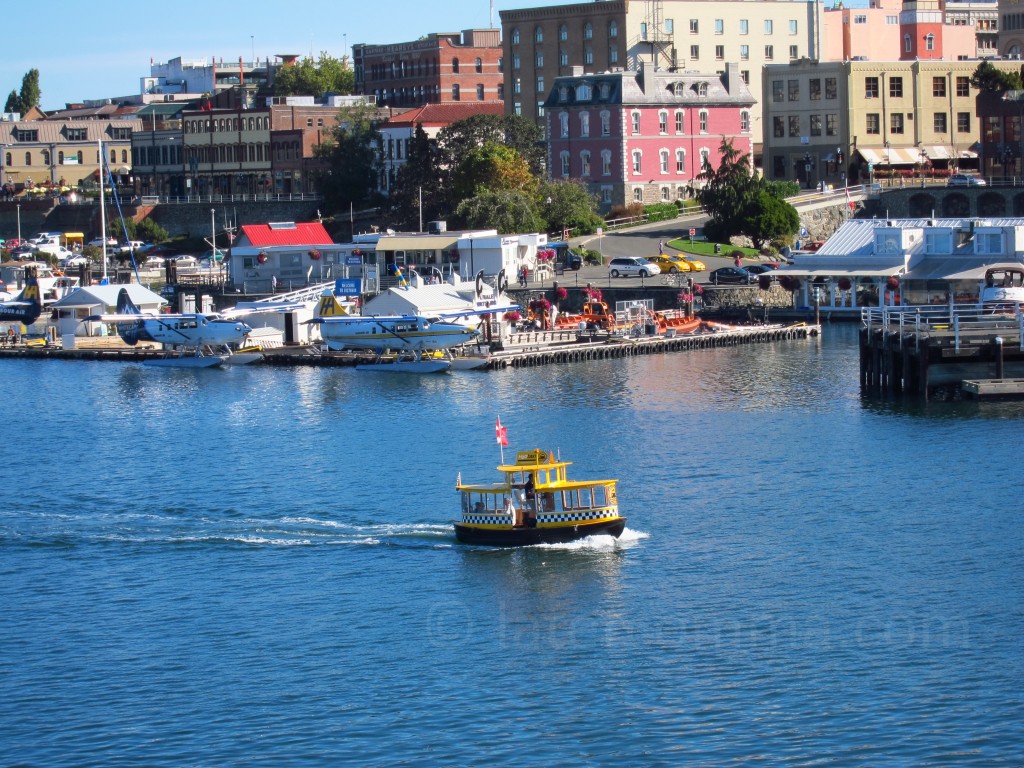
803	231
353	261
348	286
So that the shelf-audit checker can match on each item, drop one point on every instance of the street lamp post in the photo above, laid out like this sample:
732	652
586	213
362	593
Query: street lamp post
888	165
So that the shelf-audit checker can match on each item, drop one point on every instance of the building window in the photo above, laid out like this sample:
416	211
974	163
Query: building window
963	86
794	52
588	55
744	26
896	123
564	156
637	160
744	53
769	53
663	122
719	26
939	122
694	27
606	162
538	35
963	122
613	55
794	125
517	85
563	33
778	94
680	121
831	88
873	125
792	26
584	163
539	60
455	92
665	194
515	36
680	161
870	87
695	52
794	90
929	42
938	86
584	123
814	89
638	194
606	123
768	26
606	194
907	45
815	125
860	19
745	76
832	124
896	87
613	29
719	52
479	91
703	121
778	127
540	83
643	30
588	31
479	64
702	89
563	123
516	63
745	121
705	158
455	66
636	123
563	58
28	158
663	161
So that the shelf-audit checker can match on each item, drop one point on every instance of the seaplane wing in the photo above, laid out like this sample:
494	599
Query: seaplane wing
475	312
398	332
24	308
229	314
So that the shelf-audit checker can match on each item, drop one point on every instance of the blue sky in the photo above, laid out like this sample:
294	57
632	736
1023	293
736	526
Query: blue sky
90	51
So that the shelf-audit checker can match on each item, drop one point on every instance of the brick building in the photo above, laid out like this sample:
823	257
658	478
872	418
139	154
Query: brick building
441	67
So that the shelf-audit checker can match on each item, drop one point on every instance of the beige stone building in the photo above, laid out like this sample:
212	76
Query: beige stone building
843	121
541	44
64	152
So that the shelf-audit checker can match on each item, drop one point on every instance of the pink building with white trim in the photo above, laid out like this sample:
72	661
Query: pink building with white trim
642	136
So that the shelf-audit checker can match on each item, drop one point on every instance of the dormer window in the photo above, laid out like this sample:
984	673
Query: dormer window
679	90
702	89
583	92
563	93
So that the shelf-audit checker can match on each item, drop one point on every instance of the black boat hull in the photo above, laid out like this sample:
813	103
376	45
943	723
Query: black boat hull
525	536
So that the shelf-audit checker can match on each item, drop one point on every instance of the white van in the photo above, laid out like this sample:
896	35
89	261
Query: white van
46	238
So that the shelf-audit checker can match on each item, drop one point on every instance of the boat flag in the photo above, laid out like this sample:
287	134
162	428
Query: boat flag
500	433
849	202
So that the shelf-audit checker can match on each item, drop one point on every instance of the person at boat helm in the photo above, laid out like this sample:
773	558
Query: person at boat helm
528	487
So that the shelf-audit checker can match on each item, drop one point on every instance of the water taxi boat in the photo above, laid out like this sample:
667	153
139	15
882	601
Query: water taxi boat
536	503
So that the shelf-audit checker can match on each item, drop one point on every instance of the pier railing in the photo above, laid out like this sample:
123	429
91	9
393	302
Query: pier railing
934	320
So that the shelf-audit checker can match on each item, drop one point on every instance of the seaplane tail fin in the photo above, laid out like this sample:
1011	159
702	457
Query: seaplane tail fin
329	306
125	305
27	306
131	331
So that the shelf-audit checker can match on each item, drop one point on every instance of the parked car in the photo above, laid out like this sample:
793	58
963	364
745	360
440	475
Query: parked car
632	265
696	265
73	262
671	264
965	180
24	249
760	269
732	276
131	245
97	242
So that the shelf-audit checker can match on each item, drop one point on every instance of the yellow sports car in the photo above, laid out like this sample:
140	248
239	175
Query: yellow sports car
671	264
696	265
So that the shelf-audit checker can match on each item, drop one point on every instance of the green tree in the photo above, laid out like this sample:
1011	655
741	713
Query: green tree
12	105
30	95
770	219
987	77
568	205
315	78
353	165
492	166
507	210
416	180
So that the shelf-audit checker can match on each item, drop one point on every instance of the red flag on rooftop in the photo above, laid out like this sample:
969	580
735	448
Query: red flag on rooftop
500	433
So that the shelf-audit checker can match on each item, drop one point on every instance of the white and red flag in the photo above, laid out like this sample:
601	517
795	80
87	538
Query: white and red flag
500	433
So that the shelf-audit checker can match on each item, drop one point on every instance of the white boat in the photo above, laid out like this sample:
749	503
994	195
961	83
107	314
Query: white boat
187	361
428	365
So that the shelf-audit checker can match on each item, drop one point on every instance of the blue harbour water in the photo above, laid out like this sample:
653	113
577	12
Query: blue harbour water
257	566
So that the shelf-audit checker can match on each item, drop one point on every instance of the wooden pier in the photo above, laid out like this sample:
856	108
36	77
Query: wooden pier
932	352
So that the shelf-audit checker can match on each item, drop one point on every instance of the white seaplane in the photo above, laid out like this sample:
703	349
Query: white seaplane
198	340
414	338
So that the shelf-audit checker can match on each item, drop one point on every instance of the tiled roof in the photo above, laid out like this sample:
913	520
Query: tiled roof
446	113
265	235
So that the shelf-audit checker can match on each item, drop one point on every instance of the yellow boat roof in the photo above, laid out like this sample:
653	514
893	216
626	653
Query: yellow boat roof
533	459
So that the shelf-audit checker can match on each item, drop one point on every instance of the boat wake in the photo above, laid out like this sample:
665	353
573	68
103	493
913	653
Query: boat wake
599	542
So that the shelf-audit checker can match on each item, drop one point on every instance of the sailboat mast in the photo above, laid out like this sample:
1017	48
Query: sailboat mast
103	211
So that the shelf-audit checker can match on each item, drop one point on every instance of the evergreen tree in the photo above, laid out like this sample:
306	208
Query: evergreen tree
353	168
30	94
13	104
416	177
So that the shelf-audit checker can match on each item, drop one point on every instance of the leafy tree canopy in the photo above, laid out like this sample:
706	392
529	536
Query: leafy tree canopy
770	219
415	183
566	204
29	96
315	78
492	166
353	166
988	78
507	210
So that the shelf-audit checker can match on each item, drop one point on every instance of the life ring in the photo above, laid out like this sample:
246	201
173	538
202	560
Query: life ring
479	283
502	282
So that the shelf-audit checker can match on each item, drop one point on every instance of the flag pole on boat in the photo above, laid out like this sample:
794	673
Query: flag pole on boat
501	435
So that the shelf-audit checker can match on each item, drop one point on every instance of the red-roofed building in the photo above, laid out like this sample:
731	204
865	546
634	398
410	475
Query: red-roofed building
396	134
285	255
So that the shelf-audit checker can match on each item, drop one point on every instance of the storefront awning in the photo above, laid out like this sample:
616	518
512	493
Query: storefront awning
838	271
890	156
938	152
429	243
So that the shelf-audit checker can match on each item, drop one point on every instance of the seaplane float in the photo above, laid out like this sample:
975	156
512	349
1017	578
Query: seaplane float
536	503
414	340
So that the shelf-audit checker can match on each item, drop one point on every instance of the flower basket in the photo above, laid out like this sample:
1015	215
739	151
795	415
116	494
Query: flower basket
789	283
684	297
592	294
314	255
358	252
561	294
892	282
512	316
845	284
261	258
